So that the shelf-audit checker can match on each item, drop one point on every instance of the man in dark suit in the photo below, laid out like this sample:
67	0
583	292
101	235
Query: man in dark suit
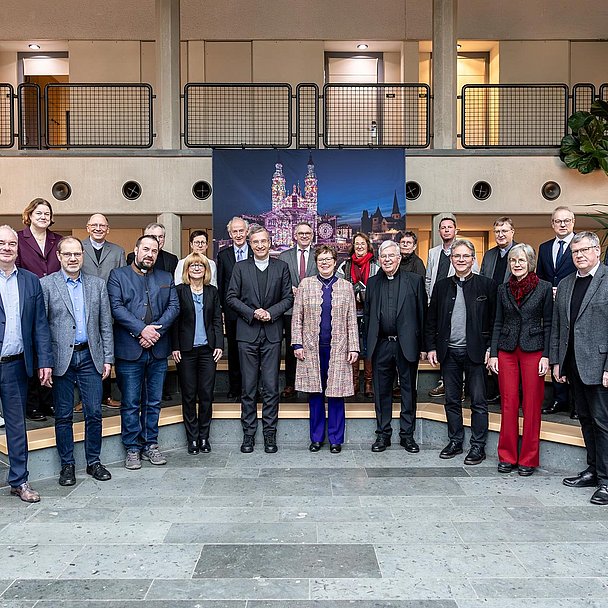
24	340
80	321
165	261
100	257
144	305
260	294
226	259
554	264
395	307
579	355
301	263
458	336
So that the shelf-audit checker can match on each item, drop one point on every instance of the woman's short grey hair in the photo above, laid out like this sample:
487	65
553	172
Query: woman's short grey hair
463	242
527	250
593	238
386	244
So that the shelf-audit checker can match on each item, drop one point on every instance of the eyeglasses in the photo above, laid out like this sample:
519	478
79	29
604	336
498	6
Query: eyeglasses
505	231
71	254
97	225
389	256
325	260
583	250
199	243
461	256
565	222
196	266
303	233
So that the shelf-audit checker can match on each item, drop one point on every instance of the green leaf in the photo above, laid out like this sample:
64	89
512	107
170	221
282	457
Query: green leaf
587	165
600	108
578	120
570	143
603	163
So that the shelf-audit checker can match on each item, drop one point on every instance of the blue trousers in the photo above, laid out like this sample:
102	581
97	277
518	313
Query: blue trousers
335	407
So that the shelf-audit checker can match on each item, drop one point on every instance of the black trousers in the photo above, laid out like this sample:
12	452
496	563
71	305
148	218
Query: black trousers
290	358
387	358
260	366
453	369
196	373
592	409
39	398
234	366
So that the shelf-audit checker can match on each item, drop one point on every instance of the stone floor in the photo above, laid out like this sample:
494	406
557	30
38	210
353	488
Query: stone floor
302	530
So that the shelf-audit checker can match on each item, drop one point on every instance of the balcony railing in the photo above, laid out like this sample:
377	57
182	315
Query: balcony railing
7	116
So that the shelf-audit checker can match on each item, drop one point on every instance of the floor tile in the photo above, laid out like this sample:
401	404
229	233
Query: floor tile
553	587
96	589
245	533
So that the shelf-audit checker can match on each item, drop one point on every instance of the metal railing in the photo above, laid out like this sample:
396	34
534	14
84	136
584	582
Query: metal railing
98	115
232	115
376	115
29	116
307	115
603	92
583	95
7	116
514	115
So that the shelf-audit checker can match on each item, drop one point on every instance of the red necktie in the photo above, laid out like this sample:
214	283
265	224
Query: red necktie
302	265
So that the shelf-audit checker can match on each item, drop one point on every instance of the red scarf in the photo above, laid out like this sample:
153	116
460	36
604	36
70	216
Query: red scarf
520	289
359	269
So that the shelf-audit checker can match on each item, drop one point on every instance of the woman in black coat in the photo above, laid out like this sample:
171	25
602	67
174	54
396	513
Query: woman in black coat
519	353
197	343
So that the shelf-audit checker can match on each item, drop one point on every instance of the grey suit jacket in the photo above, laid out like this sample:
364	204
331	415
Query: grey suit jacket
290	257
488	264
112	256
60	314
590	327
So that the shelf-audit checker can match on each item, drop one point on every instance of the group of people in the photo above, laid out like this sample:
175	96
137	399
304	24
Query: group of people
72	309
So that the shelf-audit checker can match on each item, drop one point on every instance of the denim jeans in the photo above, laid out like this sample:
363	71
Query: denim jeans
141	385
81	372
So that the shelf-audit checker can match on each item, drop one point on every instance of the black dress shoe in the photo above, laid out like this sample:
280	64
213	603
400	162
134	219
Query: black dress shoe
67	477
99	472
248	443
335	448
476	455
315	446
573	415
270	443
381	444
204	446
36	416
409	445
525	471
50	411
585	479
505	467
555	407
450	450
193	447
600	496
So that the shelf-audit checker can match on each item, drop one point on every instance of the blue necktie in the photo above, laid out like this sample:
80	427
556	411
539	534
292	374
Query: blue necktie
560	254
239	255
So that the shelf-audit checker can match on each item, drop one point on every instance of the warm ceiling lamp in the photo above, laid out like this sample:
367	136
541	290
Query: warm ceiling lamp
362	47
34	47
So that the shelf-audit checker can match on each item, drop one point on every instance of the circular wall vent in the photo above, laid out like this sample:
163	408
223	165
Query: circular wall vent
482	190
131	190
61	190
412	190
201	190
551	190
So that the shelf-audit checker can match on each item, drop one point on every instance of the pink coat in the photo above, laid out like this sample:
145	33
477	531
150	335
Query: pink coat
305	327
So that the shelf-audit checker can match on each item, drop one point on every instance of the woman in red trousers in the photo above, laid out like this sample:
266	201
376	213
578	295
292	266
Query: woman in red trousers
519	354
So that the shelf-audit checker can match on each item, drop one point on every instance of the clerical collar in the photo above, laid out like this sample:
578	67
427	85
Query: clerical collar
458	279
97	245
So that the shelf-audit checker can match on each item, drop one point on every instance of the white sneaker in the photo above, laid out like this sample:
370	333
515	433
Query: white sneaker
2	425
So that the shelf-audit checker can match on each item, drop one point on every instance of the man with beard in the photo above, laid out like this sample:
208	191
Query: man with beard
144	305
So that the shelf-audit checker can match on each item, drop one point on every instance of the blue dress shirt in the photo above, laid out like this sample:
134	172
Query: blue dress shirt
76	291
9	292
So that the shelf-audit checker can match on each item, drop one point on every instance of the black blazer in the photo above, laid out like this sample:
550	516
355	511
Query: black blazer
244	298
182	331
411	312
225	265
165	261
545	269
527	326
480	299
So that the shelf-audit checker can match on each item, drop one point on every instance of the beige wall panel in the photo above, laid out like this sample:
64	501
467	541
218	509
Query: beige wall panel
148	63
392	67
104	61
410	59
589	61
534	62
288	61
228	62
196	61
8	68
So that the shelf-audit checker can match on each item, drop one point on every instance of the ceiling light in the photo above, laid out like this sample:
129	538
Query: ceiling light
34	47
362	47
459	46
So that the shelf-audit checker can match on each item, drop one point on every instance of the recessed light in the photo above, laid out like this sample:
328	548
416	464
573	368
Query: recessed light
34	47
459	46
362	47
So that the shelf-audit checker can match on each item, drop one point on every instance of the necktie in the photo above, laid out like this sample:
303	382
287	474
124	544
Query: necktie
560	254
239	255
302	264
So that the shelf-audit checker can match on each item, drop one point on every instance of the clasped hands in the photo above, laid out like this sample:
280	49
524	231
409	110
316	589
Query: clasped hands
262	315
149	336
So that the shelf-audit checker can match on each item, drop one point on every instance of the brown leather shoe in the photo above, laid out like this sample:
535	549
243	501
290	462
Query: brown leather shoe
111	403
288	392
26	493
369	390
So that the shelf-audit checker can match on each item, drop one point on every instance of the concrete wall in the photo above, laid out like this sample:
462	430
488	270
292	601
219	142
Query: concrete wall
525	61
105	61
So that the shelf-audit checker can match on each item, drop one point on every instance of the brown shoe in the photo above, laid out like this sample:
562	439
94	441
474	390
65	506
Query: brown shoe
111	403
26	493
78	407
288	392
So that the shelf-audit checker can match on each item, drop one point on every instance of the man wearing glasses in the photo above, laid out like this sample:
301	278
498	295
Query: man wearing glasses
458	335
301	263
579	355
554	264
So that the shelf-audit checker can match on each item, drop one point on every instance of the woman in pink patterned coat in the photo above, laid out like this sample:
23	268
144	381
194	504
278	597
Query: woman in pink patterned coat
325	340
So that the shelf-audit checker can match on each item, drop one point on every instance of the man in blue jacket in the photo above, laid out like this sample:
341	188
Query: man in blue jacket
144	304
25	342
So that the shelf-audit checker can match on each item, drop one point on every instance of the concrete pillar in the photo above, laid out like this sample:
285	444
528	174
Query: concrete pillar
167	106
444	74
173	236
